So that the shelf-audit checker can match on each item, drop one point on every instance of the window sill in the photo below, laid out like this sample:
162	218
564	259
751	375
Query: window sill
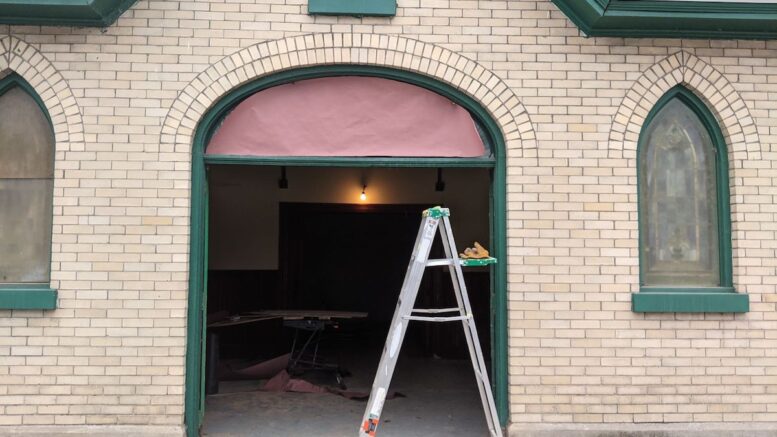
689	300
28	298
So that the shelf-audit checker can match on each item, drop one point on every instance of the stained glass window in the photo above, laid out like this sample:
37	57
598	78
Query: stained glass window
26	189
678	200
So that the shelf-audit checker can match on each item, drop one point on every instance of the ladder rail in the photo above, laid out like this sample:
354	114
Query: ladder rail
405	303
470	331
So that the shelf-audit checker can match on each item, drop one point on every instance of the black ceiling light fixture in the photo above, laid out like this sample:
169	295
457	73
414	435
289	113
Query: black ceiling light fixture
440	185
283	183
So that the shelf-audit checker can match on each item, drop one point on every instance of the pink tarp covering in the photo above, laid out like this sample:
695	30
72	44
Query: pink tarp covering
347	116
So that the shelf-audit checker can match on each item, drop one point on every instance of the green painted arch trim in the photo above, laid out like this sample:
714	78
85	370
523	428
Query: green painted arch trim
88	13
27	296
693	299
672	19
498	215
14	80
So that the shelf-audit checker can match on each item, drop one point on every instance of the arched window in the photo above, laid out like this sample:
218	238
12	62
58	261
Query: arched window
26	187
684	218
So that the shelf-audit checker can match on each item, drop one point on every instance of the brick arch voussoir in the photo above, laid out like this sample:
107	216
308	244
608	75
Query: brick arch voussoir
683	68
29	63
346	48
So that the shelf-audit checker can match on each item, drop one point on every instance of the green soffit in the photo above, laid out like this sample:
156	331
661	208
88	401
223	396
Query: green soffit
672	19
88	13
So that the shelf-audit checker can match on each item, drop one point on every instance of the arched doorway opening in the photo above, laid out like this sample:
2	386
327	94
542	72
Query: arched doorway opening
492	165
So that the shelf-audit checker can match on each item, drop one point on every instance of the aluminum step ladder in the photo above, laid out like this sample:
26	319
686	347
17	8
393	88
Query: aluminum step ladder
405	312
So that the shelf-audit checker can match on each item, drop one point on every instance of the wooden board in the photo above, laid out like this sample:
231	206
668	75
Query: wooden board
310	314
242	319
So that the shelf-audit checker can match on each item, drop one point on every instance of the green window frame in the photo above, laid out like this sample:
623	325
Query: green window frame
28	296
691	298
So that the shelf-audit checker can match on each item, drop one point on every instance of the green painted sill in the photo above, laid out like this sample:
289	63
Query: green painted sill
88	13
689	300
379	8
672	19
27	297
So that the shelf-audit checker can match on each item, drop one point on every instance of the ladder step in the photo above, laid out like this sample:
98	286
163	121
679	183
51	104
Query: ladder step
437	319
440	262
437	310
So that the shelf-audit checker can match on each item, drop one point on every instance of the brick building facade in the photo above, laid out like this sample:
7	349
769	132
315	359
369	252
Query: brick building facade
125	101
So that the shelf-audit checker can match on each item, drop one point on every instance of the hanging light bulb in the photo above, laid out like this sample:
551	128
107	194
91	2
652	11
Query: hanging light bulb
363	195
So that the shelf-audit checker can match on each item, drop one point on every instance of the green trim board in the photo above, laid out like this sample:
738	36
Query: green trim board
88	13
360	8
692	299
14	80
28	298
326	161
672	19
198	267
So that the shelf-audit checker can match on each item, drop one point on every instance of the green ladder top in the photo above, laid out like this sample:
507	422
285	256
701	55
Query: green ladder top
437	212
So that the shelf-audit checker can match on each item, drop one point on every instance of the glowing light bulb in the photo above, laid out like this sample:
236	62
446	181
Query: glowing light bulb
363	195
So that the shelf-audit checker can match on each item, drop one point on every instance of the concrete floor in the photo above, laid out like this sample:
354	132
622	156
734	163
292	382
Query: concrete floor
441	400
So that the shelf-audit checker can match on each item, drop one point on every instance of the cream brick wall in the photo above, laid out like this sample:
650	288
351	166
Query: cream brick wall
125	100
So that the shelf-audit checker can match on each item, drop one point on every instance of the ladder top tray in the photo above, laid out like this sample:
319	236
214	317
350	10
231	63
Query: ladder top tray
477	262
464	262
